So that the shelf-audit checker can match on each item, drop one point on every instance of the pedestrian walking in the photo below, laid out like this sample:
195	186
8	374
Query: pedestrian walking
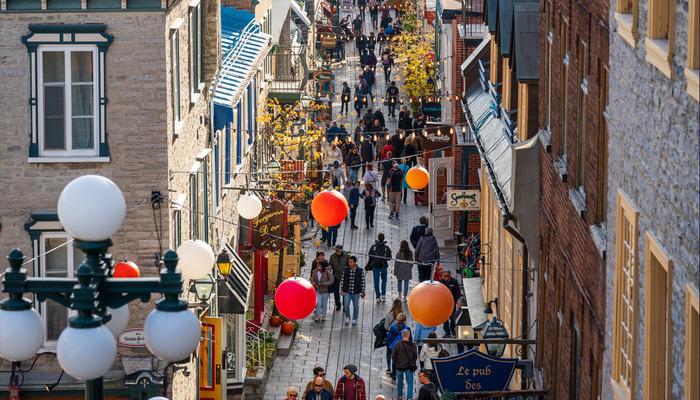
392	96
345	98
321	280
388	150
419	230
362	4
403	269
404	356
350	386
332	154
319	372
332	235
428	390
389	319
387	64
427	254
370	78
353	203
387	164
404	185
405	121
353	288
367	153
379	255
369	195
354	163
357	30
357	105
428	352
421	333
374	12
292	393
371	177
452	284
338	175
371	46
319	392
338	261
397	141
395	184
378	114
394	336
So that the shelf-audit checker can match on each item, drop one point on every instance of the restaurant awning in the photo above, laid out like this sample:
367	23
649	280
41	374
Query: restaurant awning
234	292
475	302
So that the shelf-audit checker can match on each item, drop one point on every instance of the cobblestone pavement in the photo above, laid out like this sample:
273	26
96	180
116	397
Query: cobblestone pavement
330	344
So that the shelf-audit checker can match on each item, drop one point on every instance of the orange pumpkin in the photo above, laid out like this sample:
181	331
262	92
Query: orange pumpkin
275	321
431	303
417	178
329	208
287	328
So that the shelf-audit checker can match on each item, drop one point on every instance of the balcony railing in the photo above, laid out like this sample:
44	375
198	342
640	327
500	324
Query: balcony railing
290	70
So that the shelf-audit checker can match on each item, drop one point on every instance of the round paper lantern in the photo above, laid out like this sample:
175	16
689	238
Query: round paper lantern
329	208
196	259
126	269
22	334
417	178
295	298
86	353
249	206
431	303
119	321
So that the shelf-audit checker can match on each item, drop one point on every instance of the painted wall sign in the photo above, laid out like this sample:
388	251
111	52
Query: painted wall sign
473	371
270	226
132	338
463	200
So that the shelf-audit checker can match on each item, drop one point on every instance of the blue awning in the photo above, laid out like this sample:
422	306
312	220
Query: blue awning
243	46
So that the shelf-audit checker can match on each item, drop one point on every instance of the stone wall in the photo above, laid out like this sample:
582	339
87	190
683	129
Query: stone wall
653	158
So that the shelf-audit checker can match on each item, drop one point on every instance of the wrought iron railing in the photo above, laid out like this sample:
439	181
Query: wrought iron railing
290	70
258	348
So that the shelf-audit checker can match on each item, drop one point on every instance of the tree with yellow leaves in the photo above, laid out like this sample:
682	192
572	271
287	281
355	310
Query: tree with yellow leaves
412	51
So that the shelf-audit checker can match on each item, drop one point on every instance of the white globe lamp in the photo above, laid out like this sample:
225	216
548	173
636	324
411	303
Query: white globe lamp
172	335
91	208
22	334
119	321
86	353
249	206
196	259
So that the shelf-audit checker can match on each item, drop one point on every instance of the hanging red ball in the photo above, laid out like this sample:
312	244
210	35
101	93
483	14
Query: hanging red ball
295	298
126	269
329	208
431	303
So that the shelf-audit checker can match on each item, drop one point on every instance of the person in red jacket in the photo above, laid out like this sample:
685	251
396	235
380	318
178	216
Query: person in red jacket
388	148
350	386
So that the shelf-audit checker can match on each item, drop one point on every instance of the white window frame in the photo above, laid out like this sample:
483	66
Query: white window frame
176	95
196	80
68	120
50	345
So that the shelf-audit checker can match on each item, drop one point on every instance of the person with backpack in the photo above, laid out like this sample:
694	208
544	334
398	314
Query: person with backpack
367	154
428	391
350	386
345	98
370	198
388	320
403	269
393	336
338	261
371	57
419	230
404	356
378	263
357	105
427	254
352	289
392	97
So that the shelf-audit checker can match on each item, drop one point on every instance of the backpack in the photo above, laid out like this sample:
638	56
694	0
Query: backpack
374	259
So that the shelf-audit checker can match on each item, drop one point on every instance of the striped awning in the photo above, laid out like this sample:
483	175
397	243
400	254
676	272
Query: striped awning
243	46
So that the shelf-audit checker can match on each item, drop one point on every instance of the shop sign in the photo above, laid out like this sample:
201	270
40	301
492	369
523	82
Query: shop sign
432	109
328	41
438	138
323	75
132	338
474	371
463	200
270	227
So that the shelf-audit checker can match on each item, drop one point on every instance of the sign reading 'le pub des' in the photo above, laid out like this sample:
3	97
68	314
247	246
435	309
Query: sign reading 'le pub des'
270	227
463	200
474	371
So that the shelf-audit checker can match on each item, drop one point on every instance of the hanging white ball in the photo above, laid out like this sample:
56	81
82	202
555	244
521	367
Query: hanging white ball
119	321
172	336
196	259
249	206
91	208
86	353
22	334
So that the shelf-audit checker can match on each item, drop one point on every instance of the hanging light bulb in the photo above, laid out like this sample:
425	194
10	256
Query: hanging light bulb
413	134
464	129
362	139
401	135
375	137
425	132
452	131
387	137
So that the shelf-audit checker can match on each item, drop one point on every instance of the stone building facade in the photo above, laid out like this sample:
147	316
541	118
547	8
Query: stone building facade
652	213
573	48
147	108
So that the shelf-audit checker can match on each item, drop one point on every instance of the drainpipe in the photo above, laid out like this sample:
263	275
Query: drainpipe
524	321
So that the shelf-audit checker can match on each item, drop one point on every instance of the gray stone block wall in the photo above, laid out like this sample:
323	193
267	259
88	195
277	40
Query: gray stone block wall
653	158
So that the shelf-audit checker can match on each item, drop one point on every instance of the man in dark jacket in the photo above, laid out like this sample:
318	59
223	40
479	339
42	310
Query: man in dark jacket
354	203
395	184
427	254
367	152
350	386
352	289
403	357
380	116
379	256
418	231
405	121
453	285
369	117
428	391
319	390
345	98
392	98
338	261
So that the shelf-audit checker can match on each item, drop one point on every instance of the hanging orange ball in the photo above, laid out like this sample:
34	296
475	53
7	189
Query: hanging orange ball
329	208
431	303
417	178
126	269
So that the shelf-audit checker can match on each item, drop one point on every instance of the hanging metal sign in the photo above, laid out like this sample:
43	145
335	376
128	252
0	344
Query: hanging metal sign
463	200
473	371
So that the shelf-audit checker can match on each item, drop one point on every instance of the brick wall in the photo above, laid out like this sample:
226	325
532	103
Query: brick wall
571	291
239	4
